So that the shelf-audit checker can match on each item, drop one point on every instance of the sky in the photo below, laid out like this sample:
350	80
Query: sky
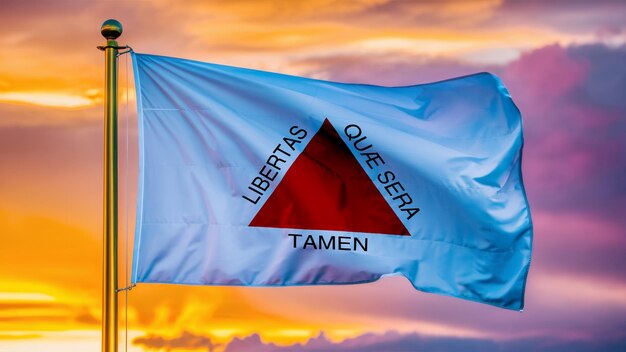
563	62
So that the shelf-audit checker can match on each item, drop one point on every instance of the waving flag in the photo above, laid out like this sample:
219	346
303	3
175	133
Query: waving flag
261	179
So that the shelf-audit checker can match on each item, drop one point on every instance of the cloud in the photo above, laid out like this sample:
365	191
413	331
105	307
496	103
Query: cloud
606	78
256	34
578	16
579	244
390	341
547	73
383	69
574	124
25	239
46	99
186	340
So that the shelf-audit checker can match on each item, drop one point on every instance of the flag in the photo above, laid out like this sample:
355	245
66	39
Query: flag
255	178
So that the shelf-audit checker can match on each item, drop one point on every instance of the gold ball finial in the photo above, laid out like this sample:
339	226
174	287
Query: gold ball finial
111	29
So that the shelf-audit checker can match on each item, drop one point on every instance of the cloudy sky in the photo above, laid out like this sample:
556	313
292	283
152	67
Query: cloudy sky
563	62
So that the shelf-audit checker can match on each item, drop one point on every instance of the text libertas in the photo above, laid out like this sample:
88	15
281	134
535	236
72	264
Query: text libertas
273	166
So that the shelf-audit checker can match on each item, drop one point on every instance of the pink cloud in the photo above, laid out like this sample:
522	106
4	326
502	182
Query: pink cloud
545	74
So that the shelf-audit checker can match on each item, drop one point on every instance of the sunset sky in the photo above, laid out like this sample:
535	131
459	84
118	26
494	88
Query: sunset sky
564	63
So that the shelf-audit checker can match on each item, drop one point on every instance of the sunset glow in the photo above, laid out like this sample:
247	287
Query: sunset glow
563	63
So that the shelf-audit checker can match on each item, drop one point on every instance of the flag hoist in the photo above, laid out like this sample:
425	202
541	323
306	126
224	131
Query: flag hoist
111	30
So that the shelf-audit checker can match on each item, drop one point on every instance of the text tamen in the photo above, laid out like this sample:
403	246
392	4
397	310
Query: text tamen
335	243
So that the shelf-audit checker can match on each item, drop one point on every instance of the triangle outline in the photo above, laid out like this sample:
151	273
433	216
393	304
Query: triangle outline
354	203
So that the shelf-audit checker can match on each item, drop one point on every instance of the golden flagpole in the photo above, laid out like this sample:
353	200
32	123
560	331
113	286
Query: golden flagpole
111	30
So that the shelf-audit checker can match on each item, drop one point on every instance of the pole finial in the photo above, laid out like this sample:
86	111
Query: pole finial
111	29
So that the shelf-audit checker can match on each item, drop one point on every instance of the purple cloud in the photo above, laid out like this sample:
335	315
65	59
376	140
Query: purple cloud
575	120
391	341
574	16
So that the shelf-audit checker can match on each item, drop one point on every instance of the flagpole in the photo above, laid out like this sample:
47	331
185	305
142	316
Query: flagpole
111	30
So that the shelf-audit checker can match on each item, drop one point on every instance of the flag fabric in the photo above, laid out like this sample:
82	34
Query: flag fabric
255	178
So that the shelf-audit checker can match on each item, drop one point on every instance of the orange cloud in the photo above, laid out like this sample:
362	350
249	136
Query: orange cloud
49	99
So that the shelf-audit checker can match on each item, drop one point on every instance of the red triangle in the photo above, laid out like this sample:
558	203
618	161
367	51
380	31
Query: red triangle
327	189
